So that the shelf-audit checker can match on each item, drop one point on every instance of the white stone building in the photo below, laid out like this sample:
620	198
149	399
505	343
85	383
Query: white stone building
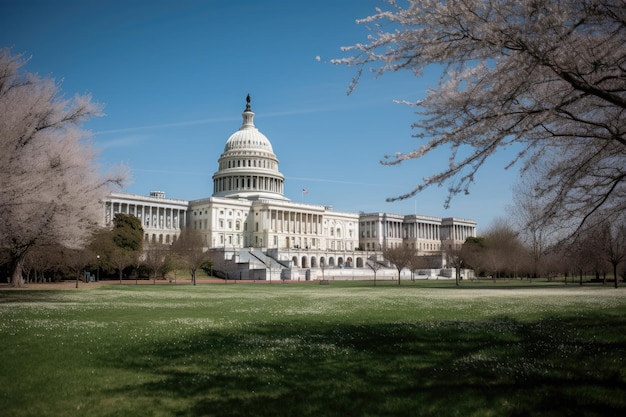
250	220
161	218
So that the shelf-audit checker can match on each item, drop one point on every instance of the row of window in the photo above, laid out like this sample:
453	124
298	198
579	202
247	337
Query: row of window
203	224
242	163
421	246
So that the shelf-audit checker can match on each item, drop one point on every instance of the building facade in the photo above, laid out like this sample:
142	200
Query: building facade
249	217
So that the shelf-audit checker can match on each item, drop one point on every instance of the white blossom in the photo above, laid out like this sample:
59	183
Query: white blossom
51	184
547	75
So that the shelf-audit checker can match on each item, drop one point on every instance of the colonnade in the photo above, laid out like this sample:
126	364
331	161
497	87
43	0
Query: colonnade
248	183
153	216
393	229
461	232
420	230
286	221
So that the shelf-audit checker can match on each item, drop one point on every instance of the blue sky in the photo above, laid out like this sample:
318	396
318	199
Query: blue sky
173	77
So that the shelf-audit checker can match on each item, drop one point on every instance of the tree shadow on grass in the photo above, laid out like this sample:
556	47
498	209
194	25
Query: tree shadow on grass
498	367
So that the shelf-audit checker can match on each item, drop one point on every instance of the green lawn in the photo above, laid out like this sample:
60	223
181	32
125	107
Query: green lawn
344	349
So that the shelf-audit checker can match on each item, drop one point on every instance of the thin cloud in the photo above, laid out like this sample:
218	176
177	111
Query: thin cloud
167	125
161	171
334	181
122	142
196	122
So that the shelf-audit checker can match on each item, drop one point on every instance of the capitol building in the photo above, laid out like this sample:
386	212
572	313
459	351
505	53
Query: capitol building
261	234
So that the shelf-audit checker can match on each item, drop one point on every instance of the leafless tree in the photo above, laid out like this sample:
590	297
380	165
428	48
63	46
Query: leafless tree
548	77
75	261
455	258
121	259
50	181
399	257
535	231
581	253
613	244
417	262
374	265
503	250
189	249
154	259
37	261
323	267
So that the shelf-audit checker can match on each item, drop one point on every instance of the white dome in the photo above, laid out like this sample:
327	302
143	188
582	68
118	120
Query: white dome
248	168
248	137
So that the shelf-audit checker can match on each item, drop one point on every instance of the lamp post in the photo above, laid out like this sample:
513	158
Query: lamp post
98	270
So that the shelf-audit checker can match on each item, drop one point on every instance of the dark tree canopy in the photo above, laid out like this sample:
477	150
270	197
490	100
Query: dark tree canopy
127	232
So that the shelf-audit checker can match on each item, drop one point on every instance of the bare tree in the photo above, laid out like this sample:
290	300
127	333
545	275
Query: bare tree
155	259
536	231
51	185
37	262
581	254
374	265
546	76
455	258
75	261
503	250
189	249
121	259
399	256
613	244
417	262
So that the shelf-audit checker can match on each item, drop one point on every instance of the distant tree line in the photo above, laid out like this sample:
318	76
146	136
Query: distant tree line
503	252
596	253
119	252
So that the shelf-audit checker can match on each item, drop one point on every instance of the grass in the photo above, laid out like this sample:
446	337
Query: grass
344	349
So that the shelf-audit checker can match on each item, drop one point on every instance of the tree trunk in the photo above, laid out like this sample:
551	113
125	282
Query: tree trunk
615	273
17	264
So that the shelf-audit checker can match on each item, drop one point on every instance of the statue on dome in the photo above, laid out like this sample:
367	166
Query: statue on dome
248	103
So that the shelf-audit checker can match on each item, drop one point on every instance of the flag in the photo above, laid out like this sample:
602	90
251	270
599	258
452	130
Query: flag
305	191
